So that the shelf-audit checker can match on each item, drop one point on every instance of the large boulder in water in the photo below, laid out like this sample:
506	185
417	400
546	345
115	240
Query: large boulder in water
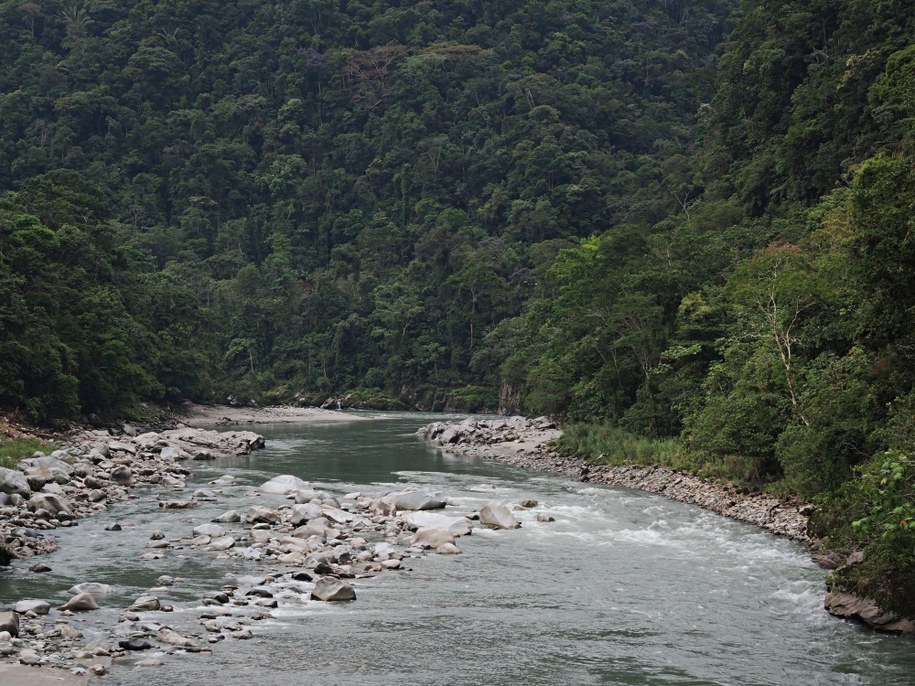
458	526
330	589
260	514
81	602
495	515
432	538
13	481
283	484
415	500
209	529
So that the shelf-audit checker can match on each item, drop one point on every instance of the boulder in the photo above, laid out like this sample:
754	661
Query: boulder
146	603
450	435
854	607
178	504
13	481
54	504
415	500
495	515
170	481
448	549
122	475
122	447
259	513
171	637
302	512
315	527
331	589
81	602
39	607
338	516
9	622
172	453
458	526
222	543
29	657
228	517
385	551
135	644
6	556
45	470
213	530
432	538
283	484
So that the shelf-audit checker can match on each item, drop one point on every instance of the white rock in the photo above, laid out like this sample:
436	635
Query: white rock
330	589
283	484
221	543
495	515
213	530
431	537
39	607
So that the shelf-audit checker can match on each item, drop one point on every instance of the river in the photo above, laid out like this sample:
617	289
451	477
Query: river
622	588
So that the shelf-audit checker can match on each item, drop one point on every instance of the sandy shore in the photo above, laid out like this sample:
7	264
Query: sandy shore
216	415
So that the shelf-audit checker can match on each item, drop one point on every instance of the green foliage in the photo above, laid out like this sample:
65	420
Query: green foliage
12	451
879	517
608	444
673	220
317	198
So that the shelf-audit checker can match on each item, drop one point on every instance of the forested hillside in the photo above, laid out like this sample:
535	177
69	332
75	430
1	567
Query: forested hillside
305	197
689	221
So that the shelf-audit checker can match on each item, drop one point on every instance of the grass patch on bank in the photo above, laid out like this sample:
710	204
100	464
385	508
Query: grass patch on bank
610	445
11	452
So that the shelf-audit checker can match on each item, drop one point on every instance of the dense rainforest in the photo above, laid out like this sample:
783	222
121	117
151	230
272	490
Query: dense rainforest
681	224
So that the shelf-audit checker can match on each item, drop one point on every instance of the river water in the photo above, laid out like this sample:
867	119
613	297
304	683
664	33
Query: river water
623	588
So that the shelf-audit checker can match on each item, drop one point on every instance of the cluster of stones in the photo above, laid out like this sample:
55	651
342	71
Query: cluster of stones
315	547
50	491
35	634
319	544
473	435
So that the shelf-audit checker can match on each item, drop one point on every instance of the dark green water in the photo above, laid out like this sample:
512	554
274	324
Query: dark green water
623	588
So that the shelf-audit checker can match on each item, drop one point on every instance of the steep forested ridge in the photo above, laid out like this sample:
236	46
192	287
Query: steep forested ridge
593	209
314	196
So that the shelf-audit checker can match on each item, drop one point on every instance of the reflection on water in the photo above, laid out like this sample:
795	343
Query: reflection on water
623	588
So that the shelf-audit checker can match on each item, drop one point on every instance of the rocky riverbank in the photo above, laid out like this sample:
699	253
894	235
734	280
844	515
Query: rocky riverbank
307	545
51	491
525	443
